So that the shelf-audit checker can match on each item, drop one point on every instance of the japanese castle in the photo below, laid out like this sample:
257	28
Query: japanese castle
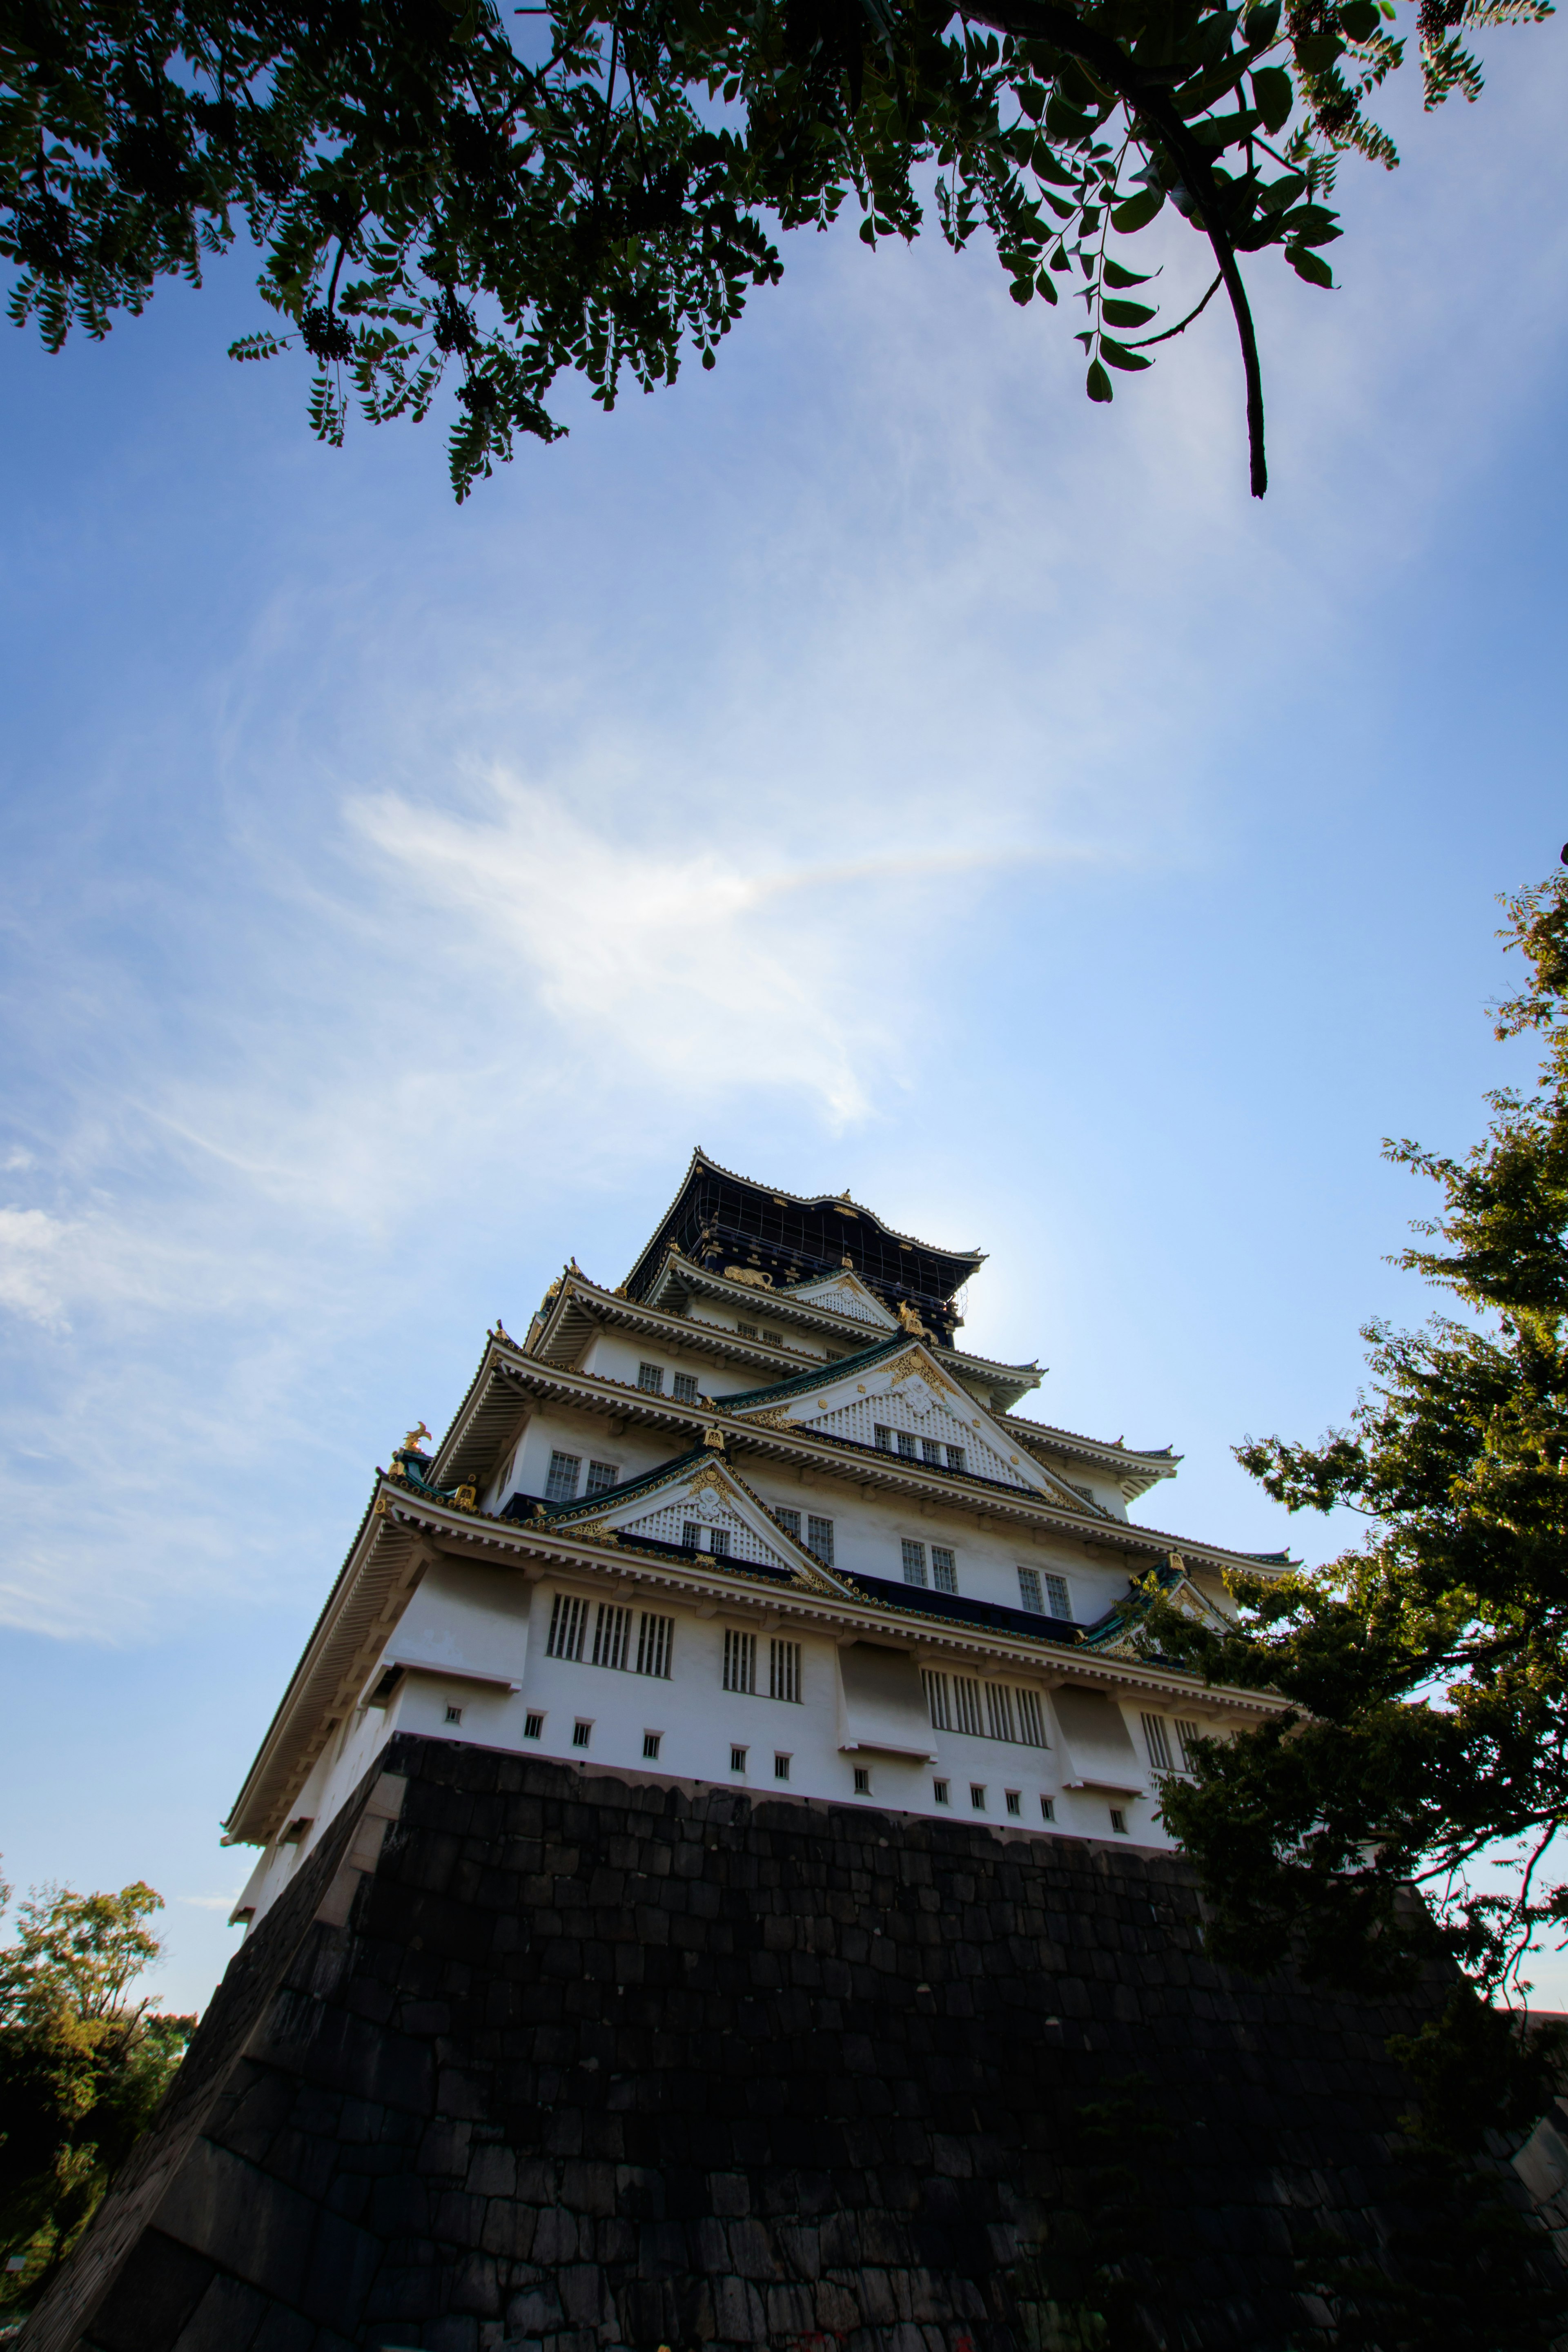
755	1518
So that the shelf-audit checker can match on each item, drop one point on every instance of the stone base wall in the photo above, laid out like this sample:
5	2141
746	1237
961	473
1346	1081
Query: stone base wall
534	2059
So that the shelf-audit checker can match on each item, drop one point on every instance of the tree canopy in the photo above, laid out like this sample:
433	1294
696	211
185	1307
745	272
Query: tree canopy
593	187
82	2064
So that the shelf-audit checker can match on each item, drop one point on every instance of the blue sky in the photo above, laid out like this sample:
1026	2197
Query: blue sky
868	760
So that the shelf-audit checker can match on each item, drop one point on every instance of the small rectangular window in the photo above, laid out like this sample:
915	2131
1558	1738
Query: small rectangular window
884	1439
862	1779
1047	1809
1029	1591
1156	1742
719	1542
790	1522
941	1792
651	1378
685	1387
1117	1821
906	1445
650	1741
1059	1603
533	1727
655	1640
737	1759
1015	1800
1187	1736
819	1538
783	1671
611	1637
914	1562
691	1535
774	1339
955	1457
454	1715
939	1698
568	1625
602	1476
561	1485
943	1568
748	1330
931	1452
740	1662
977	1795
581	1733
781	1768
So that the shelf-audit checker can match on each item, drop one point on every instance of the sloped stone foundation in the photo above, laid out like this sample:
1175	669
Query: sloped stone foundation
547	2060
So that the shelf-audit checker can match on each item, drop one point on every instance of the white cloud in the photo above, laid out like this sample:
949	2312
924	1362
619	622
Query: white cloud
32	1246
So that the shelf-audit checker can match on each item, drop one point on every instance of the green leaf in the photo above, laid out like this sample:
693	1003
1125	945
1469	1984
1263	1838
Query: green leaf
1046	286
1138	211
1098	383
1316	52
1309	265
1126	314
1116	275
868	231
1273	96
1359	18
1065	124
1120	356
1051	167
1021	291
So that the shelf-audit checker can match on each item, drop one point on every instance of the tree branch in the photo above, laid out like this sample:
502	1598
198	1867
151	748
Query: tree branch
1045	21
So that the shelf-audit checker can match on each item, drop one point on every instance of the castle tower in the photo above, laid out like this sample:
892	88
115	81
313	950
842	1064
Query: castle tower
754	1517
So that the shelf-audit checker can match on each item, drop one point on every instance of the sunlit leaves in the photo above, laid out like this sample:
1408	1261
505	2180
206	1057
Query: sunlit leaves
436	204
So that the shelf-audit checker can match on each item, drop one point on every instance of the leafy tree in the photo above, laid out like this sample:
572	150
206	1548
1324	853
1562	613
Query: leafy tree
1428	1672
83	2065
598	196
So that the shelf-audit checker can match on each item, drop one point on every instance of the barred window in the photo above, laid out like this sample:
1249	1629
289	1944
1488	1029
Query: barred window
685	1387
611	1636
719	1541
1047	1809
651	1377
561	1487
581	1733
1015	1800
884	1439
939	1698
914	1563
1029	1591
862	1779
906	1445
568	1625
781	1768
939	1790
1058	1602
1186	1734
1156	1742
790	1522
748	1330
966	1706
737	1759
1117	1821
650	1741
977	1795
740	1662
691	1535
1031	1720
774	1338
656	1642
602	1476
784	1670
819	1538
955	1457
533	1725
943	1568
931	1451
999	1710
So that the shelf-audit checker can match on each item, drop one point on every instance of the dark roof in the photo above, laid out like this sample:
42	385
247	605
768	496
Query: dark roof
959	1611
718	1215
819	1376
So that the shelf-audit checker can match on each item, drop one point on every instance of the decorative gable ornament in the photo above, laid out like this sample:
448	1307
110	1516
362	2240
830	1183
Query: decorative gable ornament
845	1294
